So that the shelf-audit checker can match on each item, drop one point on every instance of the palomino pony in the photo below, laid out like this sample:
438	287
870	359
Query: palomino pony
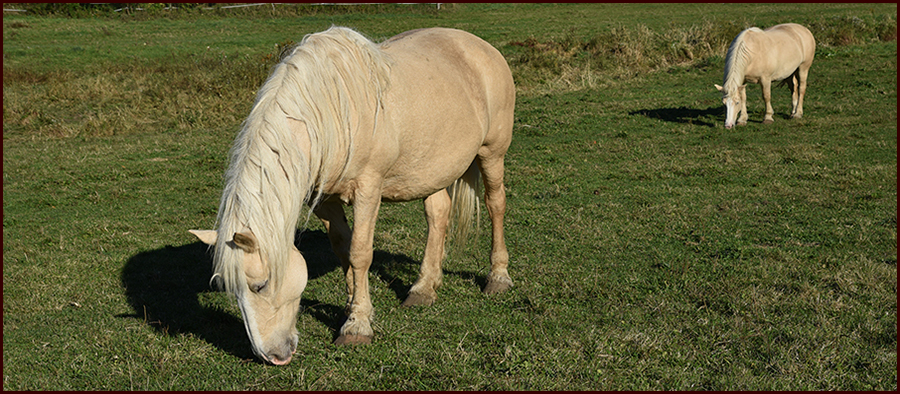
344	120
781	52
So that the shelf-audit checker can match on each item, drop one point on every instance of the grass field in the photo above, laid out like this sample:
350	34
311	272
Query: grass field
651	249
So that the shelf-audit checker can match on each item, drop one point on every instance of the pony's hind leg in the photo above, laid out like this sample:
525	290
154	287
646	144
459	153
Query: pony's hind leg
495	199
793	84
802	74
437	214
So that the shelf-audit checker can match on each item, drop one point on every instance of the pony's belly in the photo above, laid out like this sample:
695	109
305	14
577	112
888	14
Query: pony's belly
408	190
398	185
429	167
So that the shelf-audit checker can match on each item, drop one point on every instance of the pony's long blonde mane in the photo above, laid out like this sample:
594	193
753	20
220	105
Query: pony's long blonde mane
269	178
736	60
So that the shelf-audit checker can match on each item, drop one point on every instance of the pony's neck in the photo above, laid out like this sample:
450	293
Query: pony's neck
266	185
736	63
297	139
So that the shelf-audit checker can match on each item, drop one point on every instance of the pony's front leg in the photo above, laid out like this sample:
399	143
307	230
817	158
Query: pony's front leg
742	114
437	214
767	97
331	213
358	327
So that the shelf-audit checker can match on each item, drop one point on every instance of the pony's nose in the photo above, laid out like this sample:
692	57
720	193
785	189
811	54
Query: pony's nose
283	354
280	357
278	360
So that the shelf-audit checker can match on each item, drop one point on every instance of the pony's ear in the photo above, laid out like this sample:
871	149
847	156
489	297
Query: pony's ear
206	236
246	241
719	88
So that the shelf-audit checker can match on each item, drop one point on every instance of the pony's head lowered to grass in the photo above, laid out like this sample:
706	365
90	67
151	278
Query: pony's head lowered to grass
269	308
734	91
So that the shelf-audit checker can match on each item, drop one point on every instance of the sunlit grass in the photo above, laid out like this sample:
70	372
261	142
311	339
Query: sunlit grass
651	248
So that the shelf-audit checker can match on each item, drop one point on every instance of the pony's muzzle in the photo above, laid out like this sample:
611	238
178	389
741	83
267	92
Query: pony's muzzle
283	354
276	360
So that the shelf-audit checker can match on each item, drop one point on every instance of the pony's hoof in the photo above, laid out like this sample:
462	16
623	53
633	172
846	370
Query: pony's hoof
415	299
497	286
353	340
768	121
741	123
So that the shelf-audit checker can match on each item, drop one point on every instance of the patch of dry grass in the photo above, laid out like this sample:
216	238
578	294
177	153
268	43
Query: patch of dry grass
572	62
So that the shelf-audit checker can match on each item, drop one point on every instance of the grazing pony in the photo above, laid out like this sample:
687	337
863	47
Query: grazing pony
424	115
781	52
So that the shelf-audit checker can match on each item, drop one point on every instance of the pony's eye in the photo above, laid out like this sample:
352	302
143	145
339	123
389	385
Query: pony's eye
259	286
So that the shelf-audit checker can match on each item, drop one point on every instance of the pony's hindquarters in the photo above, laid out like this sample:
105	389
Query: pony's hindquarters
792	48
797	82
473	94
490	160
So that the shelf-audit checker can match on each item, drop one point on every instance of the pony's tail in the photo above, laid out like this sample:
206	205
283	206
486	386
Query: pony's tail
465	211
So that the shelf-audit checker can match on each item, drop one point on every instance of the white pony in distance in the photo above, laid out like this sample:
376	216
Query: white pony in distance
781	52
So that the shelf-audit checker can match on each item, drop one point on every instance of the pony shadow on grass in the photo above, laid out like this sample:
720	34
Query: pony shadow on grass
390	266
700	117
164	286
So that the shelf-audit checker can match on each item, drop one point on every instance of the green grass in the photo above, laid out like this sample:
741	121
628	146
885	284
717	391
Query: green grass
651	248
